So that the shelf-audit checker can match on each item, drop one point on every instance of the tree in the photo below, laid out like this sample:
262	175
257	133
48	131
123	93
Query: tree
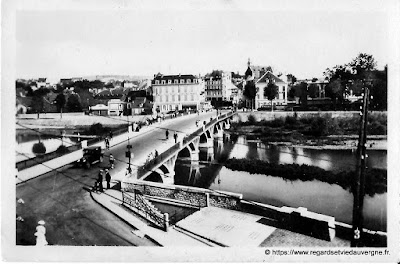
37	103
271	91
300	91
74	103
353	76
313	90
60	102
250	91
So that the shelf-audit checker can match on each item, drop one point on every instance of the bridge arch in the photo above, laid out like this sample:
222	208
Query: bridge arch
154	177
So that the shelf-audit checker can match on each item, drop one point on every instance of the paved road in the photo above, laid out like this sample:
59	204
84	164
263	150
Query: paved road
71	215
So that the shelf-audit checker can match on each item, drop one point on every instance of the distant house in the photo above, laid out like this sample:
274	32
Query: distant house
281	98
116	107
41	82
20	105
99	109
141	105
129	84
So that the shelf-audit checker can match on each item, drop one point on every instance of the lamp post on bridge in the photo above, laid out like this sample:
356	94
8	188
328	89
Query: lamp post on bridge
128	154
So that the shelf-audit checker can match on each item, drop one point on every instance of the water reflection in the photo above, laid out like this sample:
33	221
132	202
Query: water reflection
315	195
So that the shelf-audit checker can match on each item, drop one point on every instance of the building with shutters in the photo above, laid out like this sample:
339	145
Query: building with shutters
177	92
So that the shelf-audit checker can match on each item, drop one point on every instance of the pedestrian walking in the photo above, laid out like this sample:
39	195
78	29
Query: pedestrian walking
108	178
100	181
41	234
111	159
166	134
128	171
155	153
175	137
197	123
111	134
107	142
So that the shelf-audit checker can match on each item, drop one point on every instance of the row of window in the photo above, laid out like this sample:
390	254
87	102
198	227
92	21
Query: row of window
175	89
176	98
176	81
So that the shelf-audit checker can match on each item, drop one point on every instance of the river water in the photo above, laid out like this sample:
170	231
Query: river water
317	196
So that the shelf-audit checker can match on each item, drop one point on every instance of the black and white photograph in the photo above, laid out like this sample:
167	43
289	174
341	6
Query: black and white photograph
200	131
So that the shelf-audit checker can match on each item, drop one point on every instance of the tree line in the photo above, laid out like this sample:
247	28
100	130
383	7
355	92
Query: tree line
343	80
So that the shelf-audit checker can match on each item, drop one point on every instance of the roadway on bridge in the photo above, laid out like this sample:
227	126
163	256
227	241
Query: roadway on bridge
71	215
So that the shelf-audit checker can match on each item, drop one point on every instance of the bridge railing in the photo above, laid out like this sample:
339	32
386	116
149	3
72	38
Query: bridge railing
142	170
145	208
24	164
193	196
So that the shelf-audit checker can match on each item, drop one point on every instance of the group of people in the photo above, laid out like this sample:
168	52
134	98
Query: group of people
98	185
175	135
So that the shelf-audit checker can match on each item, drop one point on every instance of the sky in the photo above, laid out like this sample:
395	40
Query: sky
195	37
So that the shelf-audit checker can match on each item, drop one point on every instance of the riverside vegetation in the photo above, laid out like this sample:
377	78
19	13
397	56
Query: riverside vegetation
375	182
321	130
311	131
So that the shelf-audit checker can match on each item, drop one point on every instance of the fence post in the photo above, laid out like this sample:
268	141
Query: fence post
166	222
207	200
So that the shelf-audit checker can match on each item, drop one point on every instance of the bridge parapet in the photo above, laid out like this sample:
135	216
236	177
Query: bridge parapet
192	196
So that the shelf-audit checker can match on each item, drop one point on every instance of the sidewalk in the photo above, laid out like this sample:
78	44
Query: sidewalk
112	200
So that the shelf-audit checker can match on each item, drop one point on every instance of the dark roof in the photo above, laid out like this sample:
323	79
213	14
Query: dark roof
141	100
248	72
173	77
269	76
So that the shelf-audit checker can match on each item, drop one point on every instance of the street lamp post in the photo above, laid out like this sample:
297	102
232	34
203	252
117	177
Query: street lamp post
128	155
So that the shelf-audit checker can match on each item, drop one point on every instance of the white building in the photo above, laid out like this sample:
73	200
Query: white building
115	107
261	83
177	92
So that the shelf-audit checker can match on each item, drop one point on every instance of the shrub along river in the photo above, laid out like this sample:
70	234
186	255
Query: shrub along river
317	196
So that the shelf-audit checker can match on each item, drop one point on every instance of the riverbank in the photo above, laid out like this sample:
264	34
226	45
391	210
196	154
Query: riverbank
313	132
375	183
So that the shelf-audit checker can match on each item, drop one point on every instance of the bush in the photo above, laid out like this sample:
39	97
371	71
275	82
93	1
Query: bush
39	148
96	129
291	120
319	127
62	149
376	128
376	179
251	119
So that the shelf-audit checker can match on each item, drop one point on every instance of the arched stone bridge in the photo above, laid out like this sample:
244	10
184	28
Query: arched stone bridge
161	168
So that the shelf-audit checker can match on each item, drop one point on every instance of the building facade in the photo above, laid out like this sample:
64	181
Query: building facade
262	76
219	87
177	92
261	83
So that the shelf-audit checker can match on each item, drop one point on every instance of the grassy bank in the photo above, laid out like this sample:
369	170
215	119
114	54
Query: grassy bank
376	179
314	130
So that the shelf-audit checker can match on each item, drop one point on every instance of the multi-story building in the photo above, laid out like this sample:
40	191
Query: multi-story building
219	87
262	76
177	92
261	83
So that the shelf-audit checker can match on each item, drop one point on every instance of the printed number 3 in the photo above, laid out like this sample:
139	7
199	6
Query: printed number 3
357	234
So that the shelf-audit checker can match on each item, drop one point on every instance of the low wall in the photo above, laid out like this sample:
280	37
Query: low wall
48	166
261	115
193	196
50	115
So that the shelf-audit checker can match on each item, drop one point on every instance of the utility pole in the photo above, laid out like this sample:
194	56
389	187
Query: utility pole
360	176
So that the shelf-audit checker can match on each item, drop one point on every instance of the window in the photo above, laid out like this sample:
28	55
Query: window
188	80
163	82
157	82
176	81
182	81
169	81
